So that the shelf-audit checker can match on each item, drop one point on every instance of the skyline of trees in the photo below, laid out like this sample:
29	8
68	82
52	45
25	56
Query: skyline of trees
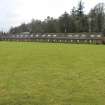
74	22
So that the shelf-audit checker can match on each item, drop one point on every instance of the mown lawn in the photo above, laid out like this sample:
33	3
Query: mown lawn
51	74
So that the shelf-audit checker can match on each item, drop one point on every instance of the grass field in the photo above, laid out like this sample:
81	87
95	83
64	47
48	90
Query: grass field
51	74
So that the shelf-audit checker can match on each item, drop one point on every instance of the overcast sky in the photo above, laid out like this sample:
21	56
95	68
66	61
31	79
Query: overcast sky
14	12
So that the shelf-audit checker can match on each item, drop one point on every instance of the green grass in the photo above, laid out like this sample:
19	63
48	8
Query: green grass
51	74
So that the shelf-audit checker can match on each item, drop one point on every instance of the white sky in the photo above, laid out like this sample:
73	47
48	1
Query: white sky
15	12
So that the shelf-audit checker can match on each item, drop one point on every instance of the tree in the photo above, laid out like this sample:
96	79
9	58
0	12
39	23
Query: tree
80	19
97	15
76	21
64	22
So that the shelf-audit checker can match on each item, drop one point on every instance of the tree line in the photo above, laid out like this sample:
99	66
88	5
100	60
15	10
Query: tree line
74	22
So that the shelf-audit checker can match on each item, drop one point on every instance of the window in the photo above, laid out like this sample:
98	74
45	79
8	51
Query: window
54	35
36	35
83	35
21	36
76	35
78	41
43	35
17	36
31	35
49	35
92	36
69	35
98	36
26	36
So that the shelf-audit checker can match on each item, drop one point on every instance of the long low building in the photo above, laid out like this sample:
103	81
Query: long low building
69	38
